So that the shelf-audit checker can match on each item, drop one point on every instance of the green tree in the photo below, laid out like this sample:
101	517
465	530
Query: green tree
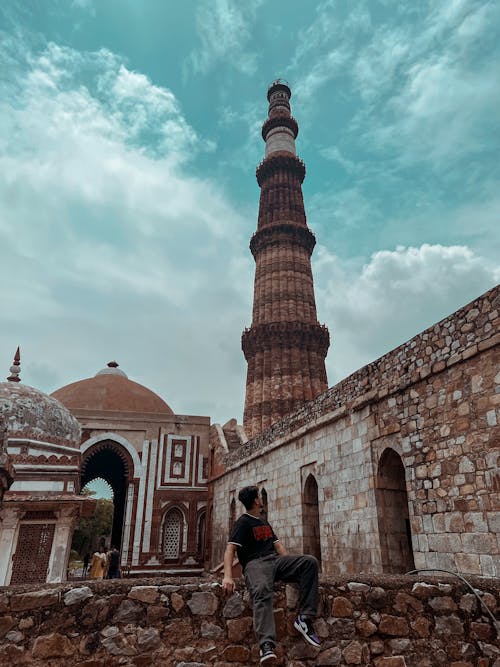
91	528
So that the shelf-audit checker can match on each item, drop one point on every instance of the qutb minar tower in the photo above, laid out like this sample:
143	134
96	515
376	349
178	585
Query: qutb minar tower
285	347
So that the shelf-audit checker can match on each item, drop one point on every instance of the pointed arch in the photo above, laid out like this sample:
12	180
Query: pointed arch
136	470
393	514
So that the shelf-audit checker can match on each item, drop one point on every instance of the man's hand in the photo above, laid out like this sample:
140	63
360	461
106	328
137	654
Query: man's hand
228	581
228	585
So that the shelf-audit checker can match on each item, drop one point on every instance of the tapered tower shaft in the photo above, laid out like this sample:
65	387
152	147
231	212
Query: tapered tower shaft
285	347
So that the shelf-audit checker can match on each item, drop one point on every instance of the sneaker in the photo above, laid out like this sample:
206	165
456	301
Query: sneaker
305	627
267	652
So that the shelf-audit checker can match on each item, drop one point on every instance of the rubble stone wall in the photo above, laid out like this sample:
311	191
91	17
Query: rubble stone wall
435	403
385	622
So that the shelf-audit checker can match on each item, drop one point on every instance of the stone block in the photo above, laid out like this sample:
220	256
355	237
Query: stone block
353	653
449	625
444	603
203	604
393	625
211	630
34	600
493	519
342	607
469	563
128	612
148	639
236	653
468	603
445	542
77	595
332	656
391	661
6	624
53	645
475	522
479	543
482	631
234	607
148	594
421	626
238	629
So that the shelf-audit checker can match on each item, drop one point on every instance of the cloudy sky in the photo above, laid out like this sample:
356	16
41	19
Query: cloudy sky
129	137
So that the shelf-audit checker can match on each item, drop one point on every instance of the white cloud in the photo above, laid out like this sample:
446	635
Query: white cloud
106	240
398	293
224	28
443	112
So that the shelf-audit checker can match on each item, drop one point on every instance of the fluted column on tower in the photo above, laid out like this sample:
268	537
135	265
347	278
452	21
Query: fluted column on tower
285	347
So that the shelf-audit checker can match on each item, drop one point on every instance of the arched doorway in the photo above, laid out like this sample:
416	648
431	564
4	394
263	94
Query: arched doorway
109	461
393	516
310	518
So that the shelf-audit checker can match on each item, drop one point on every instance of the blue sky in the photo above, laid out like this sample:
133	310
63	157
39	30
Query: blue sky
129	137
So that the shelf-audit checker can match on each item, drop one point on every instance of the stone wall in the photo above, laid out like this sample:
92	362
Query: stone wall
385	622
434	405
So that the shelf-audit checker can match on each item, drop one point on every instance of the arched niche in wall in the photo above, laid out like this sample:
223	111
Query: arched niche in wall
310	518
201	531
232	515
172	533
392	513
265	509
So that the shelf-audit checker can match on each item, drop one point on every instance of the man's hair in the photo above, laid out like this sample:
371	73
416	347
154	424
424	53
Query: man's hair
247	496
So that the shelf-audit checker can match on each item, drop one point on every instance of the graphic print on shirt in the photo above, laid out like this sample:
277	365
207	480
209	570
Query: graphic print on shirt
261	533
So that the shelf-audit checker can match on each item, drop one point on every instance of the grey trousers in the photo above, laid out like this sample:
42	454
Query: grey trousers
260	575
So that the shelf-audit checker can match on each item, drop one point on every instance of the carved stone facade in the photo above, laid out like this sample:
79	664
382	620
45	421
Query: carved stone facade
41	508
156	463
396	467
111	428
285	347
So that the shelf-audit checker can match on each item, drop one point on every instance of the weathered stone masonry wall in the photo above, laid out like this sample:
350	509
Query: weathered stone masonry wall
435	401
390	622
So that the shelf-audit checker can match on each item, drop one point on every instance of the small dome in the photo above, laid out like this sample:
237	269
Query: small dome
110	389
29	413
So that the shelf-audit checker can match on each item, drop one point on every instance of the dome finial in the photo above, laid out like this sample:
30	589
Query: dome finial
15	369
113	364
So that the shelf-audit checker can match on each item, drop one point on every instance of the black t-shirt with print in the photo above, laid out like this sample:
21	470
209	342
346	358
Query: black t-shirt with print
253	538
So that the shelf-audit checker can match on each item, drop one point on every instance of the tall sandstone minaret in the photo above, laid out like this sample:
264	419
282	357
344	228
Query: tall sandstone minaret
285	347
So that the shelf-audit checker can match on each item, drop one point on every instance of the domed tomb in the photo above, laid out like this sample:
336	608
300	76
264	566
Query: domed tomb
28	413
42	441
111	390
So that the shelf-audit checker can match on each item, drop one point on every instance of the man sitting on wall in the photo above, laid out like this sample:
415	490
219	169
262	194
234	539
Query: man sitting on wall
264	560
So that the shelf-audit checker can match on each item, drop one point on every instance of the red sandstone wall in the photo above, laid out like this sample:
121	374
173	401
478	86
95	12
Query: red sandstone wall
391	622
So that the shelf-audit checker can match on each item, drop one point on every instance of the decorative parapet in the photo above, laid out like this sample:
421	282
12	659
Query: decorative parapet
285	334
280	162
279	233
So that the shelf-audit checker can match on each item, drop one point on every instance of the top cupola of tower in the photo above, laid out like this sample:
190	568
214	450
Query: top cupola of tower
280	129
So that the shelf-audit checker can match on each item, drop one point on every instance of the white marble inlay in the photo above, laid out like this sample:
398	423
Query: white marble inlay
280	139
37	485
146	541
